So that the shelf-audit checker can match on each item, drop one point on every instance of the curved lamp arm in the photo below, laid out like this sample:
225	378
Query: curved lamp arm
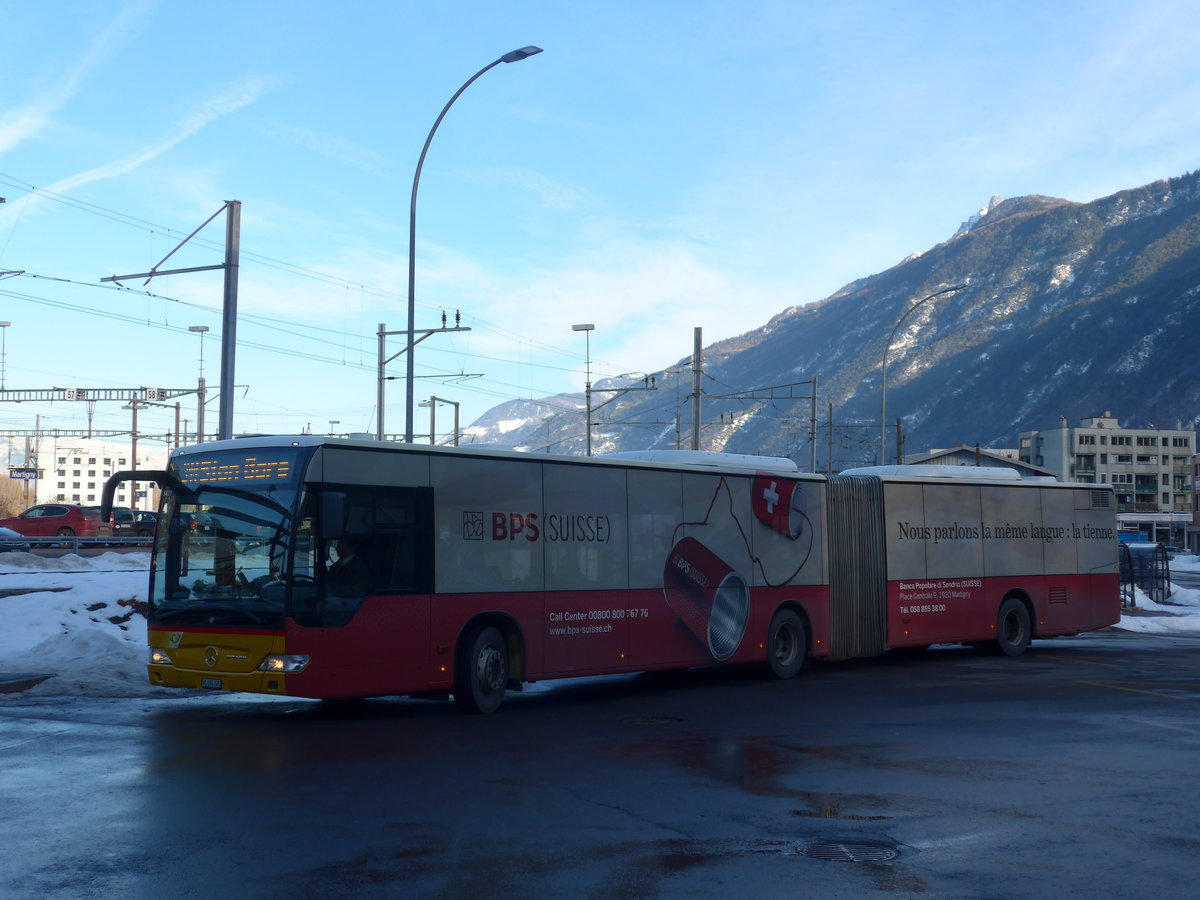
510	57
883	369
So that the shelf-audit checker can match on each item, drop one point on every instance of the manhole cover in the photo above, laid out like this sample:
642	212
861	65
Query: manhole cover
651	720
851	851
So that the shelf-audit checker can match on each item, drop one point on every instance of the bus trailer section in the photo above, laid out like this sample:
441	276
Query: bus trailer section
328	568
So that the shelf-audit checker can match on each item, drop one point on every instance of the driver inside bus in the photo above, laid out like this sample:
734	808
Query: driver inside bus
347	579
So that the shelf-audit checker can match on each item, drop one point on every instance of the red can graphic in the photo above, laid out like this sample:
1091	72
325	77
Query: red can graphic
709	597
779	503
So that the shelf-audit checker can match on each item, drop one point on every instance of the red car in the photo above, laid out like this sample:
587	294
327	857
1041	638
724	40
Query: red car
59	520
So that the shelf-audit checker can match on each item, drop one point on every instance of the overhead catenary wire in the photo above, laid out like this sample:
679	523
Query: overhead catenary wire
264	322
271	263
322	337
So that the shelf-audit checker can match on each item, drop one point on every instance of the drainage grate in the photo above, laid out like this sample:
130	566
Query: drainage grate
851	851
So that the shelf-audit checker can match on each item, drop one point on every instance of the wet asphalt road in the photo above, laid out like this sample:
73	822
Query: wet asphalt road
1071	772
1185	578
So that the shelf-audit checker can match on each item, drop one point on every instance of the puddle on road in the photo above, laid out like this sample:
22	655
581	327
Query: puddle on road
758	766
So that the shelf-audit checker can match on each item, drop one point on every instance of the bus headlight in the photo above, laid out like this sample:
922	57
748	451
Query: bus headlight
159	657
284	662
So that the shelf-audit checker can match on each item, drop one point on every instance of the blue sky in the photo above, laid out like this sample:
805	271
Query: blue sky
661	166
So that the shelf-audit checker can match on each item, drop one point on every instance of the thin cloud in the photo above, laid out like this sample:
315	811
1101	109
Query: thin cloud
26	121
237	97
554	194
231	100
333	147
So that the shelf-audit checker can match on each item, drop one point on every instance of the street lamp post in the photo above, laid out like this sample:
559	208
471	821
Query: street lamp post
3	351
883	369
513	56
200	385
432	403
587	330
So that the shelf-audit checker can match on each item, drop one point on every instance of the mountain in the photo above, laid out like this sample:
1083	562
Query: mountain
1064	309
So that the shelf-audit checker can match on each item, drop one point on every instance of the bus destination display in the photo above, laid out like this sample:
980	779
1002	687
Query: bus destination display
242	469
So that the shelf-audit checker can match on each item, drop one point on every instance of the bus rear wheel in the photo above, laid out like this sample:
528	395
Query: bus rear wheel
1012	627
482	676
787	644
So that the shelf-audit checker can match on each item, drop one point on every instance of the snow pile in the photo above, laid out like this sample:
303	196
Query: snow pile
76	617
1180	614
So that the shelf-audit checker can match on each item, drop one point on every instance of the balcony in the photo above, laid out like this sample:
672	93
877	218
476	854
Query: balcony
1139	507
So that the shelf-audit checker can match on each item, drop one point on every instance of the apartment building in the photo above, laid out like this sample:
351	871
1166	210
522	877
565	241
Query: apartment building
77	468
1150	469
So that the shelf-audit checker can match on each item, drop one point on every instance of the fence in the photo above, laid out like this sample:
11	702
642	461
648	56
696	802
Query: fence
76	544
1146	566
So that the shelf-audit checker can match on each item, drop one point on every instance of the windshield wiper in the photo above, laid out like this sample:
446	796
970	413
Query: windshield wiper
200	612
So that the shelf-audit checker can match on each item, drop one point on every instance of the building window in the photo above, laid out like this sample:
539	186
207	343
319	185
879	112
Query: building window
1145	459
1147	441
1103	459
1122	440
1181	442
1087	439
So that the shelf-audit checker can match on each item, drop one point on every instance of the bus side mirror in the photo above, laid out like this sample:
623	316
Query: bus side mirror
333	515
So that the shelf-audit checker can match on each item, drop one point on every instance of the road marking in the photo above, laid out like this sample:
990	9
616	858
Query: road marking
1083	662
38	737
1169	727
1117	687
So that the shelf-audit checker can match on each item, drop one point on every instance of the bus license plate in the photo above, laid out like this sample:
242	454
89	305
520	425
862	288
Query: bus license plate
213	684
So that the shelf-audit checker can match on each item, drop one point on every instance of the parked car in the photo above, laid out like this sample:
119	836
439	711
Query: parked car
145	522
123	522
12	540
59	520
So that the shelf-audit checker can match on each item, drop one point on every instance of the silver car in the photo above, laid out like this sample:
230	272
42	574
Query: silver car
12	540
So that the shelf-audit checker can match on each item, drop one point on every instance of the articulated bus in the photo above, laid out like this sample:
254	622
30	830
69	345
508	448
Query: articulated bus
342	568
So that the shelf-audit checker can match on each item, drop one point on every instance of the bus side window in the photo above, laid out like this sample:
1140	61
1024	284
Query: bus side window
403	527
395	526
396	560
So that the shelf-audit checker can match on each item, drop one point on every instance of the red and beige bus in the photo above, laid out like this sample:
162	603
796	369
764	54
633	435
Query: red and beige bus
336	568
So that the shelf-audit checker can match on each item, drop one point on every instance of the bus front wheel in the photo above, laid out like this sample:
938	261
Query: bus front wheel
787	644
482	676
1012	627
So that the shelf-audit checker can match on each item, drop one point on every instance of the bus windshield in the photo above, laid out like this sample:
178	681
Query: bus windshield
223	559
